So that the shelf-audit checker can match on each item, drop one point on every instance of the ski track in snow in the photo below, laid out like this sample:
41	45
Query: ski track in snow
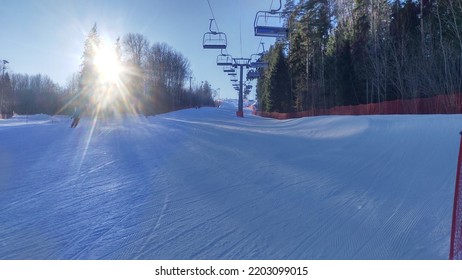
203	184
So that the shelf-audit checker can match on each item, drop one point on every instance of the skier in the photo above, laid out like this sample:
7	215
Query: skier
76	117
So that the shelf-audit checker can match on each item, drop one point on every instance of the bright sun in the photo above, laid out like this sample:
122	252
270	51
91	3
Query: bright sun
107	64
109	91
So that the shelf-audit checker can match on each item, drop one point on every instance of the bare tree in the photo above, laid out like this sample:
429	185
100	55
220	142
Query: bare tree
135	48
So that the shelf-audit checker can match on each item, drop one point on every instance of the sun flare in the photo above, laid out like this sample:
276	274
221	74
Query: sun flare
109	91
107	64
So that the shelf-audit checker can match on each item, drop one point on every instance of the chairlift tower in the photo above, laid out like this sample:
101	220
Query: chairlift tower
241	63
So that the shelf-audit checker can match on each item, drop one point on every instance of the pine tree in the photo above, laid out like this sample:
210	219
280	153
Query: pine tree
7	102
345	74
359	50
88	73
278	97
314	26
298	67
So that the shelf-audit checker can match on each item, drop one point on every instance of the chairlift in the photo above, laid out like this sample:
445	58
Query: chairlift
252	74
214	39
259	64
242	62
229	69
256	61
270	23
224	60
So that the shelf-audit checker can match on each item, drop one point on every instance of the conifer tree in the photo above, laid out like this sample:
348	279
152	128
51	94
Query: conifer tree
6	102
359	50
88	73
298	68
277	96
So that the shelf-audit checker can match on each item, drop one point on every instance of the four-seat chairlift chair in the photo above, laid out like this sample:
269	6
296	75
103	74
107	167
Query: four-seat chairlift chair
253	74
214	39
224	59
229	69
256	61
270	23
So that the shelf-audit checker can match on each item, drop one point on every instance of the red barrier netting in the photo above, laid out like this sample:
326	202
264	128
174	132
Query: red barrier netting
441	104
455	252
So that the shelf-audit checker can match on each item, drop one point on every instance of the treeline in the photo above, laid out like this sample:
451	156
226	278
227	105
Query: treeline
152	79
349	52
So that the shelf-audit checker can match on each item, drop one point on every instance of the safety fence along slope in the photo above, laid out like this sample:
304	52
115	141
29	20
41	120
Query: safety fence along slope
441	104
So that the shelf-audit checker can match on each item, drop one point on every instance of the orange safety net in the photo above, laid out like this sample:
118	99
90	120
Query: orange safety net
441	104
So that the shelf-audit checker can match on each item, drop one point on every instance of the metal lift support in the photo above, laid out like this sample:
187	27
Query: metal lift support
241	63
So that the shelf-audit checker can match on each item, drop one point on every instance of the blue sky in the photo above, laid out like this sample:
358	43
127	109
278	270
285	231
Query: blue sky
47	36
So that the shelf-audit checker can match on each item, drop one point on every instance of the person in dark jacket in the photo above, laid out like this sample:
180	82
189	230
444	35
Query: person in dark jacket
75	117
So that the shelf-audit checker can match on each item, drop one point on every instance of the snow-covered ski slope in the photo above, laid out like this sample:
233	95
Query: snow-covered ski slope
204	184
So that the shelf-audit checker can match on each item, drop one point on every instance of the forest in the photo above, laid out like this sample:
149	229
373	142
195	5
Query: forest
152	79
350	52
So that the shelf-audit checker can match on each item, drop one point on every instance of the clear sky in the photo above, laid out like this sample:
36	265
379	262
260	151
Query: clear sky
47	36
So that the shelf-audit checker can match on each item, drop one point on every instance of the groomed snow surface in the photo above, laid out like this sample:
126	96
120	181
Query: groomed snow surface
204	184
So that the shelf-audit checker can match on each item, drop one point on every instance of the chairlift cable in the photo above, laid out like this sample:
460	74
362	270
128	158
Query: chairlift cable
240	24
